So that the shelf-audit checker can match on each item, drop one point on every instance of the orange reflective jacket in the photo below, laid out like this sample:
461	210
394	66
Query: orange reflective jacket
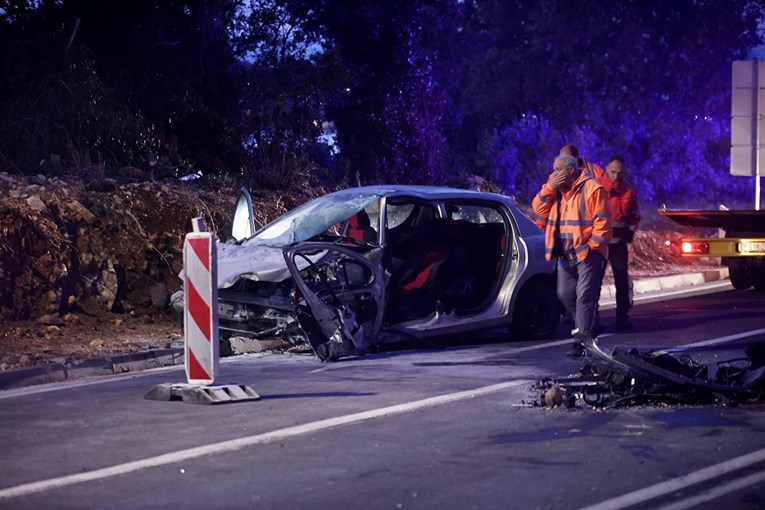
593	169
625	214
581	213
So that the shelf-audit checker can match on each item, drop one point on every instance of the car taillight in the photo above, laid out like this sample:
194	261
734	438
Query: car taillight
694	247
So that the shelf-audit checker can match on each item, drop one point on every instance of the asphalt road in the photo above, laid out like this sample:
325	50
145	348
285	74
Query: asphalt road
420	428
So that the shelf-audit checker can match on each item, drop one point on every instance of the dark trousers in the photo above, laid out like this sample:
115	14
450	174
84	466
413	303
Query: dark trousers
618	259
579	289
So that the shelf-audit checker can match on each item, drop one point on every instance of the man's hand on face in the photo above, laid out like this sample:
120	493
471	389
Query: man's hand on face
564	173
558	180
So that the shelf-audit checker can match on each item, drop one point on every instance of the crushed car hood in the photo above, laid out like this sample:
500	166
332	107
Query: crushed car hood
260	263
260	257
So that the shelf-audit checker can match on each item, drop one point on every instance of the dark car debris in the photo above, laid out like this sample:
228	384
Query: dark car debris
629	377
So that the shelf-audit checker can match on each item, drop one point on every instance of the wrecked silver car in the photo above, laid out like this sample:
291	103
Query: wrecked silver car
360	267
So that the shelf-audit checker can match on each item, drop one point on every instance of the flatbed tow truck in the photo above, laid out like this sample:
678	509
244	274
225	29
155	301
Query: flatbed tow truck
742	248
741	239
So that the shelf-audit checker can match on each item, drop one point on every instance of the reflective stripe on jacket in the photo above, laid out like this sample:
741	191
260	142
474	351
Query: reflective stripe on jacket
625	214
585	217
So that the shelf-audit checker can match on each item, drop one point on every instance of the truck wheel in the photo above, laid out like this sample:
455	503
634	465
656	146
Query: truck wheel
537	311
758	278
739	277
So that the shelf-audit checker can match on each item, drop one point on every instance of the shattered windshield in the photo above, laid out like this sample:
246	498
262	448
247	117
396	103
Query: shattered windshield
313	218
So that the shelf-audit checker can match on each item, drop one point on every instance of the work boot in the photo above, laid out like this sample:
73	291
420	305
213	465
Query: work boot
597	329
581	344
322	351
624	324
334	350
577	350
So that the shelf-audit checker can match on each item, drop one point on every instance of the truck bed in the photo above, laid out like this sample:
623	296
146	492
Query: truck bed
740	221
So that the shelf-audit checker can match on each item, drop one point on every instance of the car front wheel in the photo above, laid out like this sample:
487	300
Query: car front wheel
537	311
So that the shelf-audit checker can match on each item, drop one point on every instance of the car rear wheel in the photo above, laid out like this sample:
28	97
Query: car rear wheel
537	311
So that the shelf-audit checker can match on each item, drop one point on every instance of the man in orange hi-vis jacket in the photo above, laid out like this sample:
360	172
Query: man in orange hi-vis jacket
572	208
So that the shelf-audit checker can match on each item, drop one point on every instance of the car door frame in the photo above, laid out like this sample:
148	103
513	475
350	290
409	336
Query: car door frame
337	320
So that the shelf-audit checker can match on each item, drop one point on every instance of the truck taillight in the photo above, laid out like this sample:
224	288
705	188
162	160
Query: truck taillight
673	246
694	247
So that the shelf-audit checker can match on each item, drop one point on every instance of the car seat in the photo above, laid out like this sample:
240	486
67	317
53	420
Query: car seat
360	228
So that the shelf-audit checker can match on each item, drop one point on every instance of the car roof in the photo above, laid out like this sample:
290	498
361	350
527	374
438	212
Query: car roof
421	191
441	193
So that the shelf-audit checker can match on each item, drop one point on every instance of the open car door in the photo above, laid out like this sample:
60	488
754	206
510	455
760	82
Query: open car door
243	221
340	297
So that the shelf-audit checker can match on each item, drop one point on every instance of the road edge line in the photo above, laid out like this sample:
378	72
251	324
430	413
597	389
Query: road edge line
237	444
660	489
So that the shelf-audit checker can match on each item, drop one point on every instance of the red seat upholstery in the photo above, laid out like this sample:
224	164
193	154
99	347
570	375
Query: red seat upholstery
359	228
428	265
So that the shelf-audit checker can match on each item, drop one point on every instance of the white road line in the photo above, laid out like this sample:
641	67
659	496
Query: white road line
703	343
708	286
67	385
556	343
99	379
237	444
720	340
716	492
514	350
681	482
662	294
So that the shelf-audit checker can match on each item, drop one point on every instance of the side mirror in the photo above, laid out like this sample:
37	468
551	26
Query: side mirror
243	222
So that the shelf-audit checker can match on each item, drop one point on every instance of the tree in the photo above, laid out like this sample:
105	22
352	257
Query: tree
286	91
650	81
55	107
168	63
288	79
394	108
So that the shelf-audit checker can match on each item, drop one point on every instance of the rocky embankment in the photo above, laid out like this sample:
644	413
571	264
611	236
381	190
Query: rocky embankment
89	263
66	245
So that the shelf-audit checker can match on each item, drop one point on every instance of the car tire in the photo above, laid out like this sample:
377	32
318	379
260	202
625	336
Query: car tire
537	311
739	277
758	278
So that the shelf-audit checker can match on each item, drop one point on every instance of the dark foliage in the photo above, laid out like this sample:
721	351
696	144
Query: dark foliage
650	81
57	110
288	80
291	92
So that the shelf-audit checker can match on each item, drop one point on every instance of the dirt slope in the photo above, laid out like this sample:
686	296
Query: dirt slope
87	270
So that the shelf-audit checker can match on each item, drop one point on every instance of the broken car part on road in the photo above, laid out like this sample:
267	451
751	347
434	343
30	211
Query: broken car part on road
630	377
